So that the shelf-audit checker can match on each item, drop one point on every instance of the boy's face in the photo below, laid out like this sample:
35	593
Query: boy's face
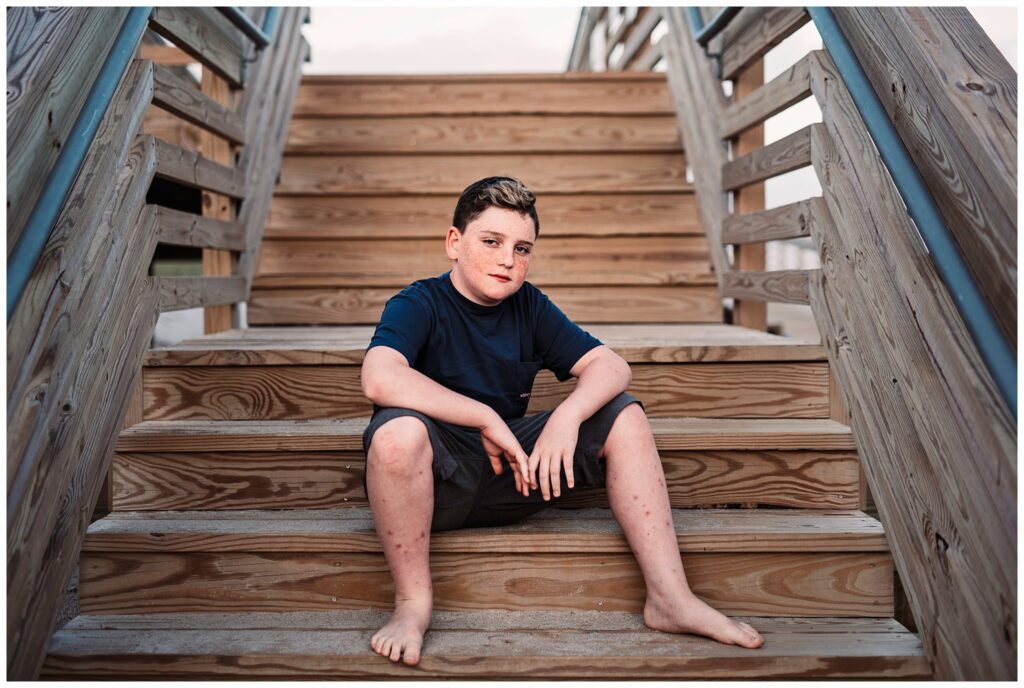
499	243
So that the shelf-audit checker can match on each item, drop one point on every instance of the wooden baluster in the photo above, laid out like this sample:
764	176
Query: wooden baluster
752	314
217	262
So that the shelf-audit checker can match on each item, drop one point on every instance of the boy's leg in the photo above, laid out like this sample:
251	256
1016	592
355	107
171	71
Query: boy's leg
400	487
638	497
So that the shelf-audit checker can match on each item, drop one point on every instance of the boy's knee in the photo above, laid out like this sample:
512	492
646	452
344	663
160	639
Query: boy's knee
401	444
629	425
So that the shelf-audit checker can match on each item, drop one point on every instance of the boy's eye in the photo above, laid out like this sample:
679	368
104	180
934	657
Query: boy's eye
525	251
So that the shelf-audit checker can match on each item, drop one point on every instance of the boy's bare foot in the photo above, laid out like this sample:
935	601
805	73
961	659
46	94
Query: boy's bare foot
690	614
403	634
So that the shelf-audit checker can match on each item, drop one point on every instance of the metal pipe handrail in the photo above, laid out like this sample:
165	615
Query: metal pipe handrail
995	351
715	26
246	26
29	247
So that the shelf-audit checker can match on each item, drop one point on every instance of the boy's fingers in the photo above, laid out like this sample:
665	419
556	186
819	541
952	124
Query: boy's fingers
496	464
570	479
542	476
524	466
556	476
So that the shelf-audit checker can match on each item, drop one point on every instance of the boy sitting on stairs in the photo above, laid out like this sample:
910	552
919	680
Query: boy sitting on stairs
450	369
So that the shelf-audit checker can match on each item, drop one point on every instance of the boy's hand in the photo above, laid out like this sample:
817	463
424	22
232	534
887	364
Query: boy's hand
499	441
555	448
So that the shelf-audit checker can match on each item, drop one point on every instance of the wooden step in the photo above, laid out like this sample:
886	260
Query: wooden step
590	303
421	217
471	645
750	562
739	379
525	94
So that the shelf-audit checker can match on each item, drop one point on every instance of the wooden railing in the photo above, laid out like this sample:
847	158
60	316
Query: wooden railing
936	437
85	318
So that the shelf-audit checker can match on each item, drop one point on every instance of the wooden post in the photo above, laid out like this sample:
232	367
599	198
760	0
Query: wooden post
752	314
217	262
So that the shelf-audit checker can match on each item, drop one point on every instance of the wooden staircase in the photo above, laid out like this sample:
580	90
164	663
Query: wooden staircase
240	544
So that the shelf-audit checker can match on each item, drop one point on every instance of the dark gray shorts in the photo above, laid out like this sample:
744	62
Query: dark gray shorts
467	493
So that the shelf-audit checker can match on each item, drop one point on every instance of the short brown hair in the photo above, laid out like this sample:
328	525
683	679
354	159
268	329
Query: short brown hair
500	192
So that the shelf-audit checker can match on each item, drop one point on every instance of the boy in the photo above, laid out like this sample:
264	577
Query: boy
450	369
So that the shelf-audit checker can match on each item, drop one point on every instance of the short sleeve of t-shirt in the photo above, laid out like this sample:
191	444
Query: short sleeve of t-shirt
558	341
404	325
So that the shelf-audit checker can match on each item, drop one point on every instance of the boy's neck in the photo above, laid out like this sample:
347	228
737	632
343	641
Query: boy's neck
456	281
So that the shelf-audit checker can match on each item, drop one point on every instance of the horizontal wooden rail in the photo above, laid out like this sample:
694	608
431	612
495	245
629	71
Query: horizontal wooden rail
754	32
177	293
780	286
180	97
191	169
207	35
785	155
188	229
785	222
785	90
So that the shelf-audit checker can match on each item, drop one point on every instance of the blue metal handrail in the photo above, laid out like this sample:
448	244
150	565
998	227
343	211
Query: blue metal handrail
994	349
715	26
247	26
58	185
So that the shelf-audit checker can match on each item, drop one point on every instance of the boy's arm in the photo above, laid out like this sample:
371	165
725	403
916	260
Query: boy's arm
388	381
602	374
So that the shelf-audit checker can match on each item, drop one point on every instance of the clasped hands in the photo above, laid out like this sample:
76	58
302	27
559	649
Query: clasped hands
541	469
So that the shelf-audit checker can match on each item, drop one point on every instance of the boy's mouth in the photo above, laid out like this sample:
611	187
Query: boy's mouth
502	278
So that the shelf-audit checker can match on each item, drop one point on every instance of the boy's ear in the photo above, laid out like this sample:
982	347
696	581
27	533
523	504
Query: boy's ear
451	242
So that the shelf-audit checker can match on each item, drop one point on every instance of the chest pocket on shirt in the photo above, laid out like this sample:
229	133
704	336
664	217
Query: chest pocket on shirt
525	374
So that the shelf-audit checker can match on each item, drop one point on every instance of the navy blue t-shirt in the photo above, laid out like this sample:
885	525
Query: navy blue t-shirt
488	353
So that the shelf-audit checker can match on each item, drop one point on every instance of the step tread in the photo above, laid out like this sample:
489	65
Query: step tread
345	434
661	343
477	643
555	530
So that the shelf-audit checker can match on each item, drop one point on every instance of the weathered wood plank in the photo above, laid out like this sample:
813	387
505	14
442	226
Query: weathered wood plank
53	55
784	155
168	55
754	32
953	101
188	229
938	445
335	645
84	318
646	59
480	134
352	217
192	169
556	261
638	35
174	130
206	34
347	435
360	305
178	96
447	174
693	84
566	94
720	390
785	222
779	286
760	583
789	88
177	293
178	481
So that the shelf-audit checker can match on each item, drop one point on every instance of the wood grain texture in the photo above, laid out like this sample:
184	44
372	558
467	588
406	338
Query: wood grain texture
346	435
364	305
482	134
188	229
53	55
177	293
754	32
759	584
180	97
178	481
943	470
953	100
207	35
555	261
784	155
335	645
418	216
172	129
568	94
449	174
787	89
780	286
193	170
75	346
719	390
785	222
